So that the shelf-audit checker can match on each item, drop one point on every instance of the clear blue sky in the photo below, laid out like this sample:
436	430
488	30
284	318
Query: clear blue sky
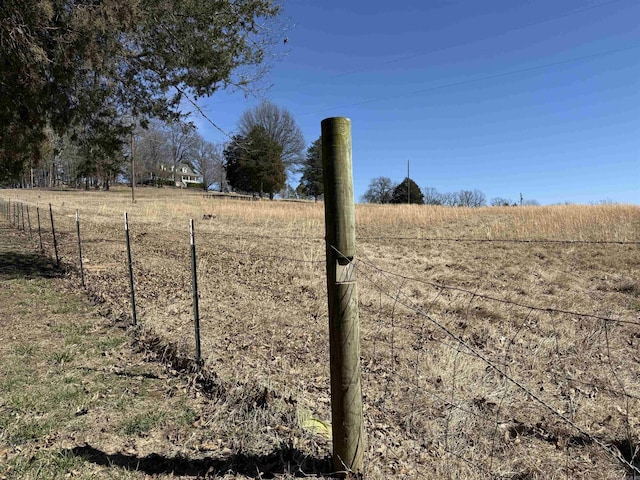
507	96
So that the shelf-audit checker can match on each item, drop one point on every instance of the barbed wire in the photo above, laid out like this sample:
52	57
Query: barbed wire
503	240
495	299
408	303
401	298
271	257
259	236
386	238
413	279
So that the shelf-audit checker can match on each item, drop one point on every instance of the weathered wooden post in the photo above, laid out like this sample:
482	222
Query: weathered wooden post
344	327
21	216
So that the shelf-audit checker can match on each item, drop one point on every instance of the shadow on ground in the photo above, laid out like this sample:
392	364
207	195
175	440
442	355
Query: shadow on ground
15	264
284	460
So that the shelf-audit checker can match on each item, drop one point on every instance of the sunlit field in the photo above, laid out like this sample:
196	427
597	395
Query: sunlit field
496	342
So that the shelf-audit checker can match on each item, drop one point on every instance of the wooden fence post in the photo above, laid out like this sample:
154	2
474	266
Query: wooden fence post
344	327
21	215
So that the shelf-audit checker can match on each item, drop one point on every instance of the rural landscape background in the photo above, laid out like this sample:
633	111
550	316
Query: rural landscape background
494	148
496	342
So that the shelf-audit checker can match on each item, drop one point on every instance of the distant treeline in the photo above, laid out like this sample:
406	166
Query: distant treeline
384	190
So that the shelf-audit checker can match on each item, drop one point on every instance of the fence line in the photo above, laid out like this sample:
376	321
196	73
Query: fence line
503	240
495	299
398	296
408	303
427	239
412	238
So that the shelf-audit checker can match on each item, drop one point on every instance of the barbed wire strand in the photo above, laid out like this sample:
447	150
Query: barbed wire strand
500	300
409	304
400	238
504	396
504	240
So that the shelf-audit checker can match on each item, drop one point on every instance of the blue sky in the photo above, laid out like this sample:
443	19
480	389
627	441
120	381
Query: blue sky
507	96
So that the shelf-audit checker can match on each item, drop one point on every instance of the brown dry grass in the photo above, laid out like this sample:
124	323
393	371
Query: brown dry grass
433	408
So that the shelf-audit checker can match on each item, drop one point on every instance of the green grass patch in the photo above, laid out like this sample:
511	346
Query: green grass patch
60	357
25	349
24	429
141	423
46	465
110	343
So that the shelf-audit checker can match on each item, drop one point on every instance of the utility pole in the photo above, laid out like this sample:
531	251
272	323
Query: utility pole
408	188
133	169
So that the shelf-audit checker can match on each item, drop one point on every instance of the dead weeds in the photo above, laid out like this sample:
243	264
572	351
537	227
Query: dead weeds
494	378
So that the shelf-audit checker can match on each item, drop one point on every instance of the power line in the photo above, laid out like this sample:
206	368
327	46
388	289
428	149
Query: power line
426	52
476	80
475	40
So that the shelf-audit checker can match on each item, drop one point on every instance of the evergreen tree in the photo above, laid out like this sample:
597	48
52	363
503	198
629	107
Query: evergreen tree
254	163
311	181
407	191
63	62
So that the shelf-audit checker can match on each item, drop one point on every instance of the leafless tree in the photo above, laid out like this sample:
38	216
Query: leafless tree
432	196
380	190
501	202
281	127
181	139
208	162
470	198
152	150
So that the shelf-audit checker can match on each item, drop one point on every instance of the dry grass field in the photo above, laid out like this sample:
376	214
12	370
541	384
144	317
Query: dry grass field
496	342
